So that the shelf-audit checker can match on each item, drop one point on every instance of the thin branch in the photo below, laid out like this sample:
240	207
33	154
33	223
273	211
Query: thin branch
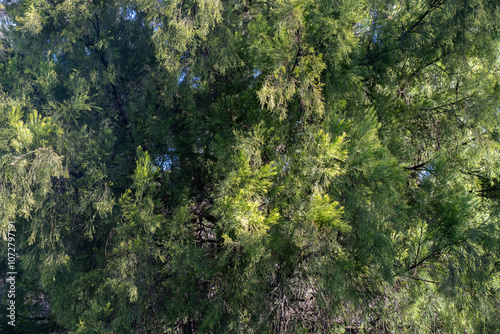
435	5
441	249
19	158
416	167
451	104
419	242
421	279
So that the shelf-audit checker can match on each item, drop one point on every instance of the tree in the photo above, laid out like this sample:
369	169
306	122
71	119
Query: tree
246	166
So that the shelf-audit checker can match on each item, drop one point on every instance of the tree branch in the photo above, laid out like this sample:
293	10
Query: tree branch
435	5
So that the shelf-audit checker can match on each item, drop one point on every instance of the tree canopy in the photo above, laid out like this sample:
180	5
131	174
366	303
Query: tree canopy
244	166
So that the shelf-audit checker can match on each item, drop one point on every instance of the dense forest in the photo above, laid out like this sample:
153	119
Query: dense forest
248	166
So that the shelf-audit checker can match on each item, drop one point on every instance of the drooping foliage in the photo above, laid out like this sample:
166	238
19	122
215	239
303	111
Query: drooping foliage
251	166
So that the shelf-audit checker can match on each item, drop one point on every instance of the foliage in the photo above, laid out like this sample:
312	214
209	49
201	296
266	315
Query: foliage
249	166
